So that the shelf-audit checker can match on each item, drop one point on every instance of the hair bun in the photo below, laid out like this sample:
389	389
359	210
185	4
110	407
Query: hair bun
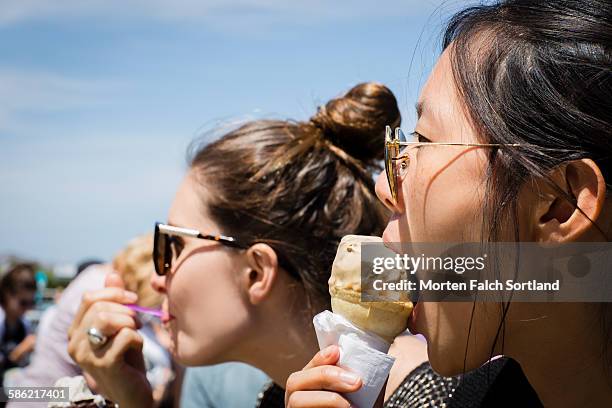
356	121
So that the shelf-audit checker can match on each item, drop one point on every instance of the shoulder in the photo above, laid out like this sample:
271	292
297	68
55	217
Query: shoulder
499	381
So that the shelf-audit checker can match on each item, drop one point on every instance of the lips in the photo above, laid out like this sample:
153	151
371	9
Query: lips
391	233
166	316
388	239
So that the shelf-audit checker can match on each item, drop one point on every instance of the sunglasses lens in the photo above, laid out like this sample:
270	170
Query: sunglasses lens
388	164
159	251
390	154
399	135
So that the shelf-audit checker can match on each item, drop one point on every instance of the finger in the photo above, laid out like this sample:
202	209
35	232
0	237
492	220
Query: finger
85	321
104	306
127	346
113	354
316	399
110	323
91	382
114	280
329	378
116	295
328	356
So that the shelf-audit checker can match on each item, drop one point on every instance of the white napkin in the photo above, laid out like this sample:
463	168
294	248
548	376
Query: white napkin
78	391
361	352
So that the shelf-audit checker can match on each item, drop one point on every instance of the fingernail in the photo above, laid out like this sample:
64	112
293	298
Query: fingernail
348	377
131	296
328	351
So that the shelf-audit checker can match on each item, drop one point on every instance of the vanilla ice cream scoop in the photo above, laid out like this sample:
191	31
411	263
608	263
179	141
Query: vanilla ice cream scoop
386	319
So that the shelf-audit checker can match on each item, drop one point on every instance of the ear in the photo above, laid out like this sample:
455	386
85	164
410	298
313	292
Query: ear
557	220
262	272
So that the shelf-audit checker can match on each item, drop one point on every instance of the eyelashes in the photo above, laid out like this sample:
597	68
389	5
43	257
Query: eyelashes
419	137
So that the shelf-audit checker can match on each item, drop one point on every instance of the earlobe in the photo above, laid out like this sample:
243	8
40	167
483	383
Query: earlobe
565	218
263	270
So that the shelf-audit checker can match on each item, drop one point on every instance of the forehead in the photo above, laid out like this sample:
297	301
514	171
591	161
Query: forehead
441	109
189	208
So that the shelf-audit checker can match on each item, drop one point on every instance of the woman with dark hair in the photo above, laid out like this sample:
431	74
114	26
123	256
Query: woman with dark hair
17	291
514	145
245	257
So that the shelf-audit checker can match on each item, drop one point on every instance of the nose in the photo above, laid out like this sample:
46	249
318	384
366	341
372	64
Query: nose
158	283
383	192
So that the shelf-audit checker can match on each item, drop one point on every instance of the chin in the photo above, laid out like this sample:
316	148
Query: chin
186	357
182	351
190	352
444	361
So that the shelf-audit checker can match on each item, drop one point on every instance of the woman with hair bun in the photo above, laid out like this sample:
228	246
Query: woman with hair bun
245	257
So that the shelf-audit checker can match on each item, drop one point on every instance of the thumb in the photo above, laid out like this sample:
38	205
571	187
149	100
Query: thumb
91	382
113	280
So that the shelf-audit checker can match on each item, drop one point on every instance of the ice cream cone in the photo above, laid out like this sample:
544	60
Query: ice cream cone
386	319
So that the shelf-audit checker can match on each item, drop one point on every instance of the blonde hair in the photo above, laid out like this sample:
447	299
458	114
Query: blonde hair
135	265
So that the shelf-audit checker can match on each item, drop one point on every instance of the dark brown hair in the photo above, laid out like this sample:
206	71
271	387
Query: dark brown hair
301	186
19	277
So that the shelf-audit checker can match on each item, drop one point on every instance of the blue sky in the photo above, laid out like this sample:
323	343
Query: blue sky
99	99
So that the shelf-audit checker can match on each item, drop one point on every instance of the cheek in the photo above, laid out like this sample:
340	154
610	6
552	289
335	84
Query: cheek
444	199
208	306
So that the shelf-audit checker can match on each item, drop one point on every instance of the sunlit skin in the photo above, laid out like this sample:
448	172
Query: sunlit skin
441	192
222	304
440	200
441	195
228	304
202	284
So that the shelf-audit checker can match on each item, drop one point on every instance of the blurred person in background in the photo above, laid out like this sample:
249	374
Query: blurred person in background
17	292
50	313
86	264
51	360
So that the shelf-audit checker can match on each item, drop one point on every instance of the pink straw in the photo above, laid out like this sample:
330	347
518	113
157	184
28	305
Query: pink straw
146	310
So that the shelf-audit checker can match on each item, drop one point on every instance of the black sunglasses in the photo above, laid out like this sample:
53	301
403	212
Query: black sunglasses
165	237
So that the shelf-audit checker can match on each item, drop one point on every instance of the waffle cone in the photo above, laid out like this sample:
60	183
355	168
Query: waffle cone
386	319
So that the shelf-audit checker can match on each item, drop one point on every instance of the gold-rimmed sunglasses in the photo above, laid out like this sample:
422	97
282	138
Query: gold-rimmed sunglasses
395	140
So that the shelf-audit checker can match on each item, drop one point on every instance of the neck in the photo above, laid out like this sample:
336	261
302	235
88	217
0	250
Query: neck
562	356
282	347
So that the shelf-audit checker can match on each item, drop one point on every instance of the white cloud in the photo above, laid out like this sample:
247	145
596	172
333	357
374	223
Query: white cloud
223	12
